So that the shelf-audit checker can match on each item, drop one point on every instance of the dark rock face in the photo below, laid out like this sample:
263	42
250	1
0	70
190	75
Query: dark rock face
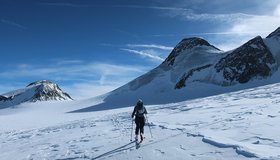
46	90
2	98
183	79
274	33
187	43
250	60
48	95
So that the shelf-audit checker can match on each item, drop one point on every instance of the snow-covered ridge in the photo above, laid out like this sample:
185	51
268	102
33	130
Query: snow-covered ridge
186	44
275	33
250	60
195	69
37	91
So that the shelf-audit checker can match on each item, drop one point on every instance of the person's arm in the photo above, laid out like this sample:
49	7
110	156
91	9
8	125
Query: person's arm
134	110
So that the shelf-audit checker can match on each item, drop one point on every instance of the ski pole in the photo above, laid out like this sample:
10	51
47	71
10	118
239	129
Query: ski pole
149	126
131	129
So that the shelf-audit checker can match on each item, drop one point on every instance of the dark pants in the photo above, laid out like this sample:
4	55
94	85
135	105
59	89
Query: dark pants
140	122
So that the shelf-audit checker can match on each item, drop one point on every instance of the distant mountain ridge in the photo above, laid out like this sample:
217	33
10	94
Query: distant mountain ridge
195	68
246	62
43	90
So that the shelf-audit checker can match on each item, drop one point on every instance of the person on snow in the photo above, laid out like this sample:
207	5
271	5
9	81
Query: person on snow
138	112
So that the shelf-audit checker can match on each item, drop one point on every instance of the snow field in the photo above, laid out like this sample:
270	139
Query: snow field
237	125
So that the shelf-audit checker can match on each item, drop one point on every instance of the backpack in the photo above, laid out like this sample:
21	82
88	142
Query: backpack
140	111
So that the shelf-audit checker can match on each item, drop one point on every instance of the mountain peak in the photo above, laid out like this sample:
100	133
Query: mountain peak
275	33
250	60
39	83
185	44
189	43
47	90
42	90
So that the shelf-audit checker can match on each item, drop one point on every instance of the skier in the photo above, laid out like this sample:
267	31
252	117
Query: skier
139	111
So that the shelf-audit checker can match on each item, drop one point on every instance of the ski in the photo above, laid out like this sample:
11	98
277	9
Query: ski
138	143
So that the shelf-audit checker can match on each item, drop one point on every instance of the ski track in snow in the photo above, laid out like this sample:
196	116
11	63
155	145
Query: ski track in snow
237	125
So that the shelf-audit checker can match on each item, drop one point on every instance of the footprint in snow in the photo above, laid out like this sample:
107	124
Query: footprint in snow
24	136
54	146
162	127
162	152
181	147
84	140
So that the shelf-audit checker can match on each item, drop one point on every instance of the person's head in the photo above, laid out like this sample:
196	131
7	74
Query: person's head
140	102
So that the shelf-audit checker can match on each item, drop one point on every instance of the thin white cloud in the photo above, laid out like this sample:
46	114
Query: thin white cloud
61	4
144	54
261	24
153	7
91	79
277	11
90	89
69	62
113	69
230	42
249	27
232	17
24	66
239	27
11	23
7	87
156	46
74	72
107	71
214	33
189	14
107	45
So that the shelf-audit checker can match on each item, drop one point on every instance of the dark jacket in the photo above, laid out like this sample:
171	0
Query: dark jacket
139	111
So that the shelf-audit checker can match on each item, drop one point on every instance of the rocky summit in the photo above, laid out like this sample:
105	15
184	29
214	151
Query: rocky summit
187	43
250	60
43	90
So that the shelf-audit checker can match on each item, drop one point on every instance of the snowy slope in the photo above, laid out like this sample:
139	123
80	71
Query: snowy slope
273	42
232	125
197	69
37	91
237	125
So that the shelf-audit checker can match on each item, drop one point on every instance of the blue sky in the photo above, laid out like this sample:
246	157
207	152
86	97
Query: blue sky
91	47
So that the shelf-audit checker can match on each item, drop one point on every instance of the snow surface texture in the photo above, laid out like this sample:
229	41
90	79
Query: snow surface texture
237	125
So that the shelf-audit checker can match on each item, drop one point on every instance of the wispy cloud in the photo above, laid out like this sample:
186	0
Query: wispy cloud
90	79
144	54
112	70
162	47
11	23
62	4
261	24
79	72
249	27
192	16
215	33
233	28
153	7
69	62
91	88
